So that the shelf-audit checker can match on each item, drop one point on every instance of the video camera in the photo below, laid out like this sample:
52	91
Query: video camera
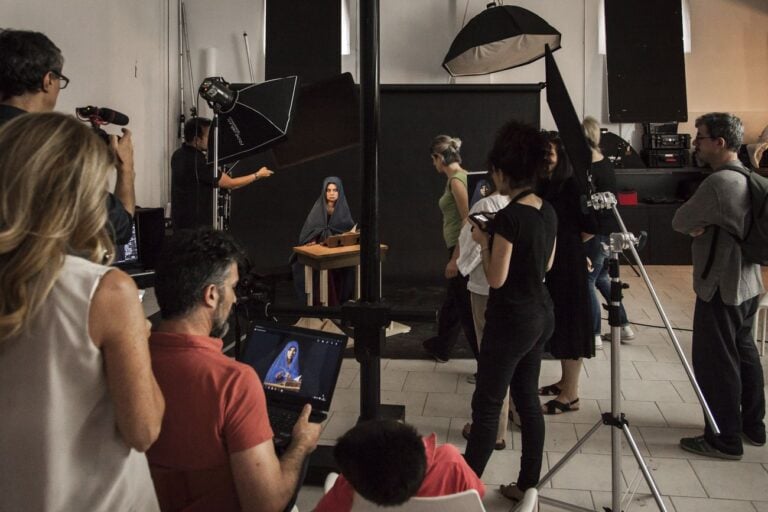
98	117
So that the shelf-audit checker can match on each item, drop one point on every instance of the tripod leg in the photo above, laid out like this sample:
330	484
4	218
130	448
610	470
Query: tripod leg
643	467
573	451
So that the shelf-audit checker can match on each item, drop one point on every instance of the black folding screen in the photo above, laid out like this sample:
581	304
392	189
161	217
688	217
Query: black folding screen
646	66
267	216
303	38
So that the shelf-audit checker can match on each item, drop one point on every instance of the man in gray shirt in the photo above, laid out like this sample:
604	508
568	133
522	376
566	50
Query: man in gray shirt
725	359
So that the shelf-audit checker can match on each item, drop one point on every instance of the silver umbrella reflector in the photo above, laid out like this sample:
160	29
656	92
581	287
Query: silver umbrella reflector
499	38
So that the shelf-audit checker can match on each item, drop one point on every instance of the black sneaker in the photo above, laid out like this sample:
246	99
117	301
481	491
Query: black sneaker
699	445
754	439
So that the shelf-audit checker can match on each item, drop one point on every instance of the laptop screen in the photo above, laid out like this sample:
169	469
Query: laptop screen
128	254
296	365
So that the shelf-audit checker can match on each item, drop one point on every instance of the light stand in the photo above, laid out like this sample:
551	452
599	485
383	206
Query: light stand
620	242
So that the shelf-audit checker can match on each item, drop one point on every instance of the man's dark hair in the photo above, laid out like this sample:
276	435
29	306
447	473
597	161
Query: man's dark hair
25	58
384	461
194	128
724	125
520	153
190	261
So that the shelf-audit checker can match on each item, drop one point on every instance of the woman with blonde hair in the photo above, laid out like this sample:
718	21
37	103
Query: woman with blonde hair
79	400
604	180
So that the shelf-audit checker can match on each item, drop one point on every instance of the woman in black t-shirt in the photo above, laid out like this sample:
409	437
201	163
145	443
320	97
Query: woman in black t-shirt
519	316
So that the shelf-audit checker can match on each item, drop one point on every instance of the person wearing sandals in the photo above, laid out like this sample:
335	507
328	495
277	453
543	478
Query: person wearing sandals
519	315
470	265
567	281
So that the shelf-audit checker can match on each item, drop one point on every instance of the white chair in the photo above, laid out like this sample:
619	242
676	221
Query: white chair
466	501
530	501
762	314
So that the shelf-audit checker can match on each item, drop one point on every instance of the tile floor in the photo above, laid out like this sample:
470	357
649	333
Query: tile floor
658	400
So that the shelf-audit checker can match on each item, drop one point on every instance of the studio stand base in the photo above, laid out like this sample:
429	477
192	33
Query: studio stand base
615	419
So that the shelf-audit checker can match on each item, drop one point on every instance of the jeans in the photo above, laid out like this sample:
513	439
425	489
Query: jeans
728	370
597	250
510	359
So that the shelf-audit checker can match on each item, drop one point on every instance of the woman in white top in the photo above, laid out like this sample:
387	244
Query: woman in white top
470	264
77	394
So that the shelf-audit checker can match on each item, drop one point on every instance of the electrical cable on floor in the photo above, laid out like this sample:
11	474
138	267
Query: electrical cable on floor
681	329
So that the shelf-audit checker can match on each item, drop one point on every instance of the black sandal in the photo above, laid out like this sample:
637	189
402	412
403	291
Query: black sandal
551	390
557	407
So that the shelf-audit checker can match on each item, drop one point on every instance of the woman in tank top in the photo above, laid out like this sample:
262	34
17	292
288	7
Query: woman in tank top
519	315
79	401
456	311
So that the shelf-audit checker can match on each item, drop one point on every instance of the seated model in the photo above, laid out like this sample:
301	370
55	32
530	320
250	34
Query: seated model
215	450
387	463
330	215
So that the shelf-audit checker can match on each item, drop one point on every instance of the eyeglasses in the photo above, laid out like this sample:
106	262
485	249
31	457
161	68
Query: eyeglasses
63	81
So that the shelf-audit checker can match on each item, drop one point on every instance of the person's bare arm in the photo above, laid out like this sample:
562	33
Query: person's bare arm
266	483
461	196
552	256
228	182
117	326
126	174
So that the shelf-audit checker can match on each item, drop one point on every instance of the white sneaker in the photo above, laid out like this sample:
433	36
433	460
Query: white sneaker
627	333
598	342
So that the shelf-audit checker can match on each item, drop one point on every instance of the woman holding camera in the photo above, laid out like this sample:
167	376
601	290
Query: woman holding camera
79	400
519	315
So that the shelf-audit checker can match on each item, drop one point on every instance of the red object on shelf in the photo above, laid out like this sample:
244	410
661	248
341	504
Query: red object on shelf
627	198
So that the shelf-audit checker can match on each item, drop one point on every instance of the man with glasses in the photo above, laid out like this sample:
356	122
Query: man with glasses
30	80
725	359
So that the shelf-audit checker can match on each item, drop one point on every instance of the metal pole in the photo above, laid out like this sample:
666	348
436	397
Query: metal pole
217	224
370	257
182	107
248	56
675	343
615	323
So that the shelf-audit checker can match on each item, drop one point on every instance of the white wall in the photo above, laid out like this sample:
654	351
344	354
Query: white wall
124	55
116	56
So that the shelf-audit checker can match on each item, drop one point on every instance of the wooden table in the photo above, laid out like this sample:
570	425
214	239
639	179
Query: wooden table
321	258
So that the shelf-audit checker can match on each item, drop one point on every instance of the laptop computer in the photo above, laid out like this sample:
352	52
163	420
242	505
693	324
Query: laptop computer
128	258
296	366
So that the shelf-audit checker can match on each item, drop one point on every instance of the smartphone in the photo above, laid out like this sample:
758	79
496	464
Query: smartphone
482	220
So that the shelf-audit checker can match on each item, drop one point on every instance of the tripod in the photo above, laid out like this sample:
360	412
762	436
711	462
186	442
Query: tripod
620	242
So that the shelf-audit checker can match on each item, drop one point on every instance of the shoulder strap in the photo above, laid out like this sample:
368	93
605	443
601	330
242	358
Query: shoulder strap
711	257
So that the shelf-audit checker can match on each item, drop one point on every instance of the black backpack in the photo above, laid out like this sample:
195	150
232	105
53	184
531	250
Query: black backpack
754	245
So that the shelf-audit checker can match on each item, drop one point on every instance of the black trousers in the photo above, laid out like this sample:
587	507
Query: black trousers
455	314
510	358
728	370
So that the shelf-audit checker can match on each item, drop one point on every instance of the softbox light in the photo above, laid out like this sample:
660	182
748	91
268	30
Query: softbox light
499	38
568	124
258	117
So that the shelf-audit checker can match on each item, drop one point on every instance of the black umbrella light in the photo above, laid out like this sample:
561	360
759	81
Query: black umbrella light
501	37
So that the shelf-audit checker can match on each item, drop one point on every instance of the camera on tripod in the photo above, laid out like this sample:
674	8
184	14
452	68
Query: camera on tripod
98	117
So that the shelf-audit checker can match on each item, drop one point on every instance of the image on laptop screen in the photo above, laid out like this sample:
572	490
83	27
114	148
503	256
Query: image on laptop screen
294	364
128	253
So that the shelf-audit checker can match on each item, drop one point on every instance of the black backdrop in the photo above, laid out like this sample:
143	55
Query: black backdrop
267	216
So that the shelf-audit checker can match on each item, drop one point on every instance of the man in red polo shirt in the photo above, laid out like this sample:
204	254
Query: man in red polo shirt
215	450
387	463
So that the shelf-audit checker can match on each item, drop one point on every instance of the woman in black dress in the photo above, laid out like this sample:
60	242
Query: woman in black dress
519	314
568	281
